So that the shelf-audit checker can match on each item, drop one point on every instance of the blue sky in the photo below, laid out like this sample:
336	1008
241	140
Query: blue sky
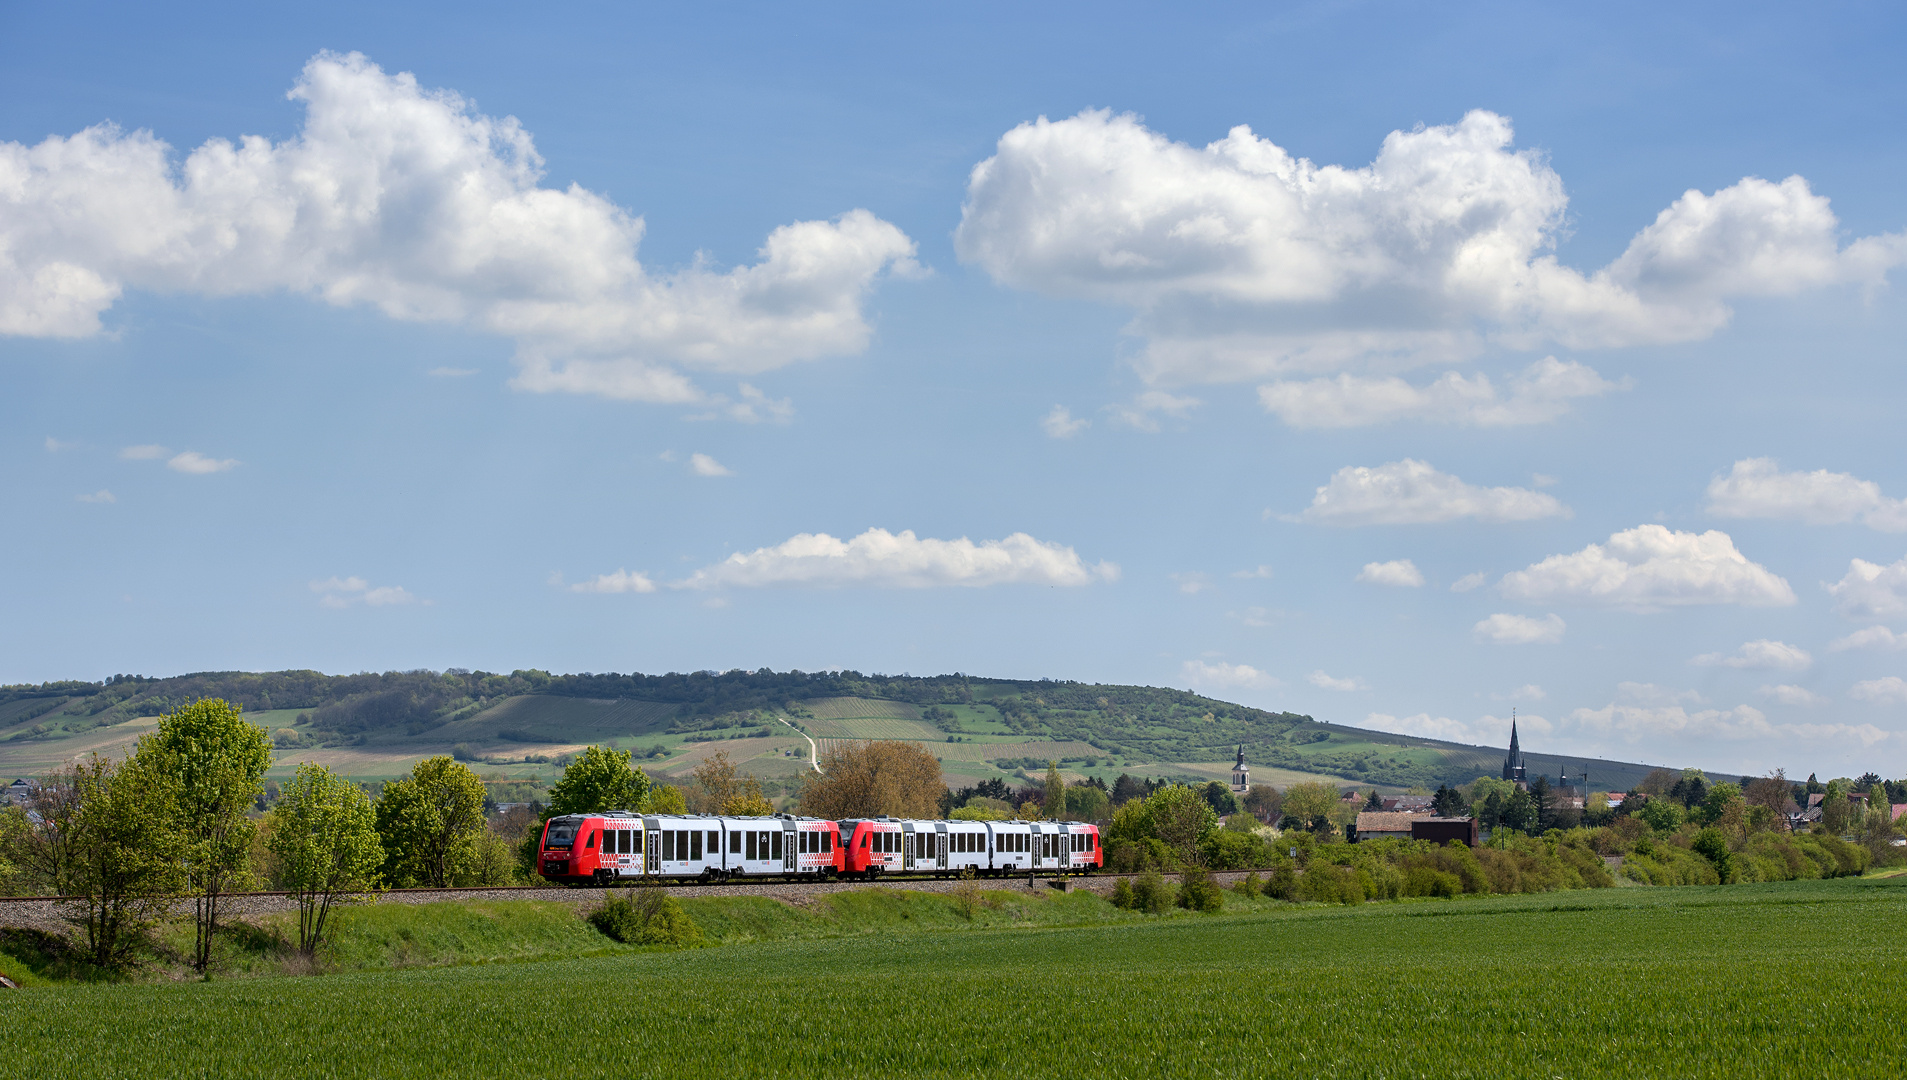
618	338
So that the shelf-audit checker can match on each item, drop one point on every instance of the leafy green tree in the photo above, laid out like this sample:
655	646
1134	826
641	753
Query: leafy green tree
1219	797
599	779
1373	802
1720	799
1055	793
14	829
42	853
218	761
1490	811
1542	804
127	851
1182	819
324	832
1713	846
1661	814
430	822
1309	800
1087	802
1448	802
1519	811
1265	802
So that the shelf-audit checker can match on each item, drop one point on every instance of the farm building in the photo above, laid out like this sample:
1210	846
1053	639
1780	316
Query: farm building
1377	824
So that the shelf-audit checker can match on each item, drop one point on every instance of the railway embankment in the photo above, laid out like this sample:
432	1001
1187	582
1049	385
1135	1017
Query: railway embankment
50	914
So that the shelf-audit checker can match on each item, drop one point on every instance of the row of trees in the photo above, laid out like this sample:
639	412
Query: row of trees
1174	829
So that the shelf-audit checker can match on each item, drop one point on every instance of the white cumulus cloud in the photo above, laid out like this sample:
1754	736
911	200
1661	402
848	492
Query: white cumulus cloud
1505	629
1653	724
1537	395
1889	690
196	464
1060	424
1761	654
1241	260
1325	682
622	581
1872	637
1789	694
1412	492
1870	590
1757	488
704	465
337	592
1649	567
1470	581
1191	581
1642	693
409	200
1142	413
1399	573
1223	676
882	559
1484	731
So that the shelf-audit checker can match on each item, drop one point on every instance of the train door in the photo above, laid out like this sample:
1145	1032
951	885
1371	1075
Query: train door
940	847
789	856
652	844
908	839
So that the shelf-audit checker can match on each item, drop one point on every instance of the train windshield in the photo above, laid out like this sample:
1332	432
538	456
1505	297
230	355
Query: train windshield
847	831
561	834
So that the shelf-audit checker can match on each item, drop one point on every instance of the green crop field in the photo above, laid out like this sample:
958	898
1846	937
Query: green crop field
1790	979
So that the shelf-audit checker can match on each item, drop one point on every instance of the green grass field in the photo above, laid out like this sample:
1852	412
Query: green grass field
1790	979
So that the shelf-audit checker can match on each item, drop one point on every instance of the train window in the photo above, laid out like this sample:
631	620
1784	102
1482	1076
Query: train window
827	842
668	846
623	846
695	844
777	845
715	843
561	834
591	843
865	838
751	845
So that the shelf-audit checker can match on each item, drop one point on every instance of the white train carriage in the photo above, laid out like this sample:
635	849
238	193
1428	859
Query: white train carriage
1043	846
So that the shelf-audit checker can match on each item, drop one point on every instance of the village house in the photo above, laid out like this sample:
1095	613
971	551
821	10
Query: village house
1377	824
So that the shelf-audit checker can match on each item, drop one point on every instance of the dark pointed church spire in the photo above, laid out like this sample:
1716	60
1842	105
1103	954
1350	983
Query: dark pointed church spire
1513	761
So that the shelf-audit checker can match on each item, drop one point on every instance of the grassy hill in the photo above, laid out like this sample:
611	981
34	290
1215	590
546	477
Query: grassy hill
517	728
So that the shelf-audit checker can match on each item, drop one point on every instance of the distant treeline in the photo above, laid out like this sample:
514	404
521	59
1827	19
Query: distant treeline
1139	723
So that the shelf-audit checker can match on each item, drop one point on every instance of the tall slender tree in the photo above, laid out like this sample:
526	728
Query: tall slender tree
324	832
430	821
218	761
128	852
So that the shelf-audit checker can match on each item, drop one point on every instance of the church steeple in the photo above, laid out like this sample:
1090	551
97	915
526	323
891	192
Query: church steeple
1513	761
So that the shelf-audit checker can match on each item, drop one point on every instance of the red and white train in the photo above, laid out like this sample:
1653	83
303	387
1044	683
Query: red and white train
617	846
